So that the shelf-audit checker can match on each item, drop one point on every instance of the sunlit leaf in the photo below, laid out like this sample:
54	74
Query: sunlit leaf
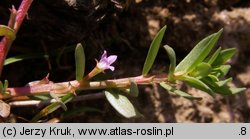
222	70
153	50
52	107
196	83
53	95
178	92
8	32
40	97
214	56
80	61
121	103
24	57
172	58
225	90
214	78
224	56
212	83
198	53
223	82
202	70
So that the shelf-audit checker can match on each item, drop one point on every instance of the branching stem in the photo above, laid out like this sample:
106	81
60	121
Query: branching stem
63	87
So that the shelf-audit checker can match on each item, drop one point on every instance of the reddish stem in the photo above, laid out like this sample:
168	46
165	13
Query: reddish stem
21	13
15	21
64	86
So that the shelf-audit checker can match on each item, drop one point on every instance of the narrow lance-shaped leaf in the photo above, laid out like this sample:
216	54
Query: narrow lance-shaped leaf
214	56
153	50
225	90
134	91
222	70
210	80
224	56
224	82
24	57
213	78
40	97
53	95
178	92
172	58
1	87
5	86
196	83
80	61
52	107
215	84
78	111
197	54
202	70
121	103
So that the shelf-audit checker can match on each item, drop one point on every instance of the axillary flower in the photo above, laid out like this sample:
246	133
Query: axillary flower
103	64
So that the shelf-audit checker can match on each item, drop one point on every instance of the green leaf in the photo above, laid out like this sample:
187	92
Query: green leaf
8	32
53	95
213	78
1	87
222	70
78	111
197	54
52	107
224	56
6	84
153	50
225	90
121	103
224	82
40	97
134	91
202	70
80	61
210	80
214	56
196	83
24	57
172	58
215	84
178	92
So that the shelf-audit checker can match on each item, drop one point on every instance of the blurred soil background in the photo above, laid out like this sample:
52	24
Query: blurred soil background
126	28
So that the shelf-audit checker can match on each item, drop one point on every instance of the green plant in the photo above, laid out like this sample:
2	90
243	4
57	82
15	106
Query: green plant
198	69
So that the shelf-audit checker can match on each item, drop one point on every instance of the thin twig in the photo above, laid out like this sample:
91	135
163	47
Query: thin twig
40	103
15	22
65	87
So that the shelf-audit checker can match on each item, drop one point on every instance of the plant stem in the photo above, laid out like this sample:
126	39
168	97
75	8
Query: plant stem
64	87
40	103
15	21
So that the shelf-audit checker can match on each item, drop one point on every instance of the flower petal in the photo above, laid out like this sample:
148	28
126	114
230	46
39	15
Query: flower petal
112	59
104	55
111	68
105	62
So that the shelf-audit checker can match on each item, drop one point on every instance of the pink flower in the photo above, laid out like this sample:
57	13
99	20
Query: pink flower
105	62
